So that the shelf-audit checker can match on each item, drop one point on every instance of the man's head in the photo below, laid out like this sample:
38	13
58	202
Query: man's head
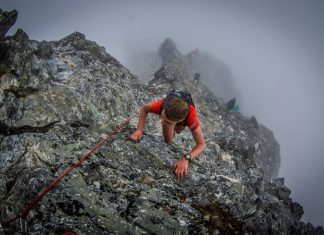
176	110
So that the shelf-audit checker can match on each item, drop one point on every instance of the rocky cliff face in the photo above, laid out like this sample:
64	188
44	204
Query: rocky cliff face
59	99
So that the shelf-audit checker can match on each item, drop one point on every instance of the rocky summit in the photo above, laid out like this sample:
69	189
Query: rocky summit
59	99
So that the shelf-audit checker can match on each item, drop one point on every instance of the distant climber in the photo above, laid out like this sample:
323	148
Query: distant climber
232	105
176	111
193	53
196	51
196	78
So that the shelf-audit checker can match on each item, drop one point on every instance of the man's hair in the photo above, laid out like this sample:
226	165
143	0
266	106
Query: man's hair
177	109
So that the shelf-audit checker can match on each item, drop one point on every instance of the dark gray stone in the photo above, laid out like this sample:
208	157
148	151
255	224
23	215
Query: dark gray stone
7	19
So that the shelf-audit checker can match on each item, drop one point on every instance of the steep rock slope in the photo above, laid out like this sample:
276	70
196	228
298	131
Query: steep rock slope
58	99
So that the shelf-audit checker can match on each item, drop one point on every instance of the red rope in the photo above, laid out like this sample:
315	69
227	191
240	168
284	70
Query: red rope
24	212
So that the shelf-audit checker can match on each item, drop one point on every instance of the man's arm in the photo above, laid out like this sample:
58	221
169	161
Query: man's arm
145	109
137	135
200	142
181	166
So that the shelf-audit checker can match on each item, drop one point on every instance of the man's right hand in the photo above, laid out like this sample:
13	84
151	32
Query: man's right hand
136	136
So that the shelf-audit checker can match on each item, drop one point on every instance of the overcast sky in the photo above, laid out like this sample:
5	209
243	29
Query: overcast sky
274	49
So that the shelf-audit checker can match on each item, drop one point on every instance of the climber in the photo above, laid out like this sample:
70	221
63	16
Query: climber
196	78
231	105
176	111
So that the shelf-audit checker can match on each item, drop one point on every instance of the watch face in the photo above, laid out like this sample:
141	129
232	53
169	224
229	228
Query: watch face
188	157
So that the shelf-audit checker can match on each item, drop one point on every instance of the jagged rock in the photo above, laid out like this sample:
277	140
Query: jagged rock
44	50
1	97
7	19
80	95
20	37
213	72
168	51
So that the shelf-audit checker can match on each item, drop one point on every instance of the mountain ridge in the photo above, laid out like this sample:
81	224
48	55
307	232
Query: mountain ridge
58	99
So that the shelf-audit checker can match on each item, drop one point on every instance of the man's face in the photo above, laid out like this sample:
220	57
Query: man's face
166	121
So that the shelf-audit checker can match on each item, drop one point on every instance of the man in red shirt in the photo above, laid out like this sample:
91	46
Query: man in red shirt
175	114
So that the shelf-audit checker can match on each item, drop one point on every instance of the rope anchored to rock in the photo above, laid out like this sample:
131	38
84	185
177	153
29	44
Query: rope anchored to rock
25	211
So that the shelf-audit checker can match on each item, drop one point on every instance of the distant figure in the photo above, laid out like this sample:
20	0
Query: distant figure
196	77
194	52
232	105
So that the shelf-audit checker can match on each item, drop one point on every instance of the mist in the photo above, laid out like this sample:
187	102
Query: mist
273	48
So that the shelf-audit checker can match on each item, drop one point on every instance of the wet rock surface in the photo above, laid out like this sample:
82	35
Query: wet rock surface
59	99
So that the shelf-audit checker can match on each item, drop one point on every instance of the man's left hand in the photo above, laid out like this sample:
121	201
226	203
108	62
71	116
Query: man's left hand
181	168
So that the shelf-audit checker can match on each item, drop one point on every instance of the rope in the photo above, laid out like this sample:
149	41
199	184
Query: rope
25	211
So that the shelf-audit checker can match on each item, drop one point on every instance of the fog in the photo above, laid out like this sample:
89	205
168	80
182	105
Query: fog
274	50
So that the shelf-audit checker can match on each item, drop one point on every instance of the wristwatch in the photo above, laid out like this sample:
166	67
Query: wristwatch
188	157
